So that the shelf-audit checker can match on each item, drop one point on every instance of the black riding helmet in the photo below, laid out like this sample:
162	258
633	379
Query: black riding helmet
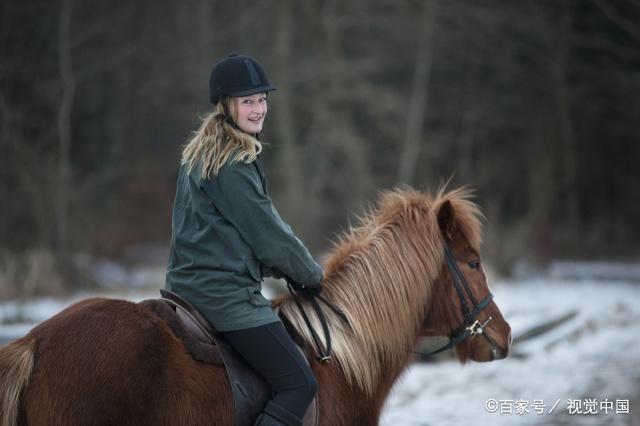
237	75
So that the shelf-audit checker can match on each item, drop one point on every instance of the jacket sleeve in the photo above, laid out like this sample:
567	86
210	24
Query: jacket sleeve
237	193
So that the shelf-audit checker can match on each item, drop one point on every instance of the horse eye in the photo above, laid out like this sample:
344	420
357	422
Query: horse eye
474	265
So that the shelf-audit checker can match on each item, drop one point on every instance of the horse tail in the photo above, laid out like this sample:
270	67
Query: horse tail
16	365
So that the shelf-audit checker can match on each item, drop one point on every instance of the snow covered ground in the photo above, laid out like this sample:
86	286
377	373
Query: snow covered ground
593	358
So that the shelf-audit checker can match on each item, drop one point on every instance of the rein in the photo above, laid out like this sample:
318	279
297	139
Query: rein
470	327
323	356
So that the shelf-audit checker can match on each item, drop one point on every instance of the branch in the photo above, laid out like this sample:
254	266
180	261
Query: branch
596	42
631	28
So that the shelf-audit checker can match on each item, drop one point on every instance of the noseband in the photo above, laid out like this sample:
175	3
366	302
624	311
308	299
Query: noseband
470	327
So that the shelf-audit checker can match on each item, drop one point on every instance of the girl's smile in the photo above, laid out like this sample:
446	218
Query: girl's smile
250	112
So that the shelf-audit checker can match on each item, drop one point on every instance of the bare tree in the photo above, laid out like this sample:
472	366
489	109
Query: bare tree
560	43
68	84
416	114
288	157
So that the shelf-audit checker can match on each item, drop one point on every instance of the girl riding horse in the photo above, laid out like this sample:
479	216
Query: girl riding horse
227	235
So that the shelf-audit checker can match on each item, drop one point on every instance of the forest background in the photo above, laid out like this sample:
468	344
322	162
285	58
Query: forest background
534	104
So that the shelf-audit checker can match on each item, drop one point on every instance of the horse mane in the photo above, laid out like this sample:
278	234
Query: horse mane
380	274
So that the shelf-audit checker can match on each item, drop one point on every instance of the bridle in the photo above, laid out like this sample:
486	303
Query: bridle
471	327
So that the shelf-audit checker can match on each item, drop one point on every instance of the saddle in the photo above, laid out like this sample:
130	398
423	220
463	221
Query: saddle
250	391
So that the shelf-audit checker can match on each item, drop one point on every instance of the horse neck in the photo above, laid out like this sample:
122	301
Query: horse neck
385	298
343	403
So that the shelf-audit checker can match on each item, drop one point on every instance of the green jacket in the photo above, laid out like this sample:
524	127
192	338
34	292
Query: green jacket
226	234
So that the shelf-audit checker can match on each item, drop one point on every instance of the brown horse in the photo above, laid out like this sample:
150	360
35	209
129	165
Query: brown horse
104	361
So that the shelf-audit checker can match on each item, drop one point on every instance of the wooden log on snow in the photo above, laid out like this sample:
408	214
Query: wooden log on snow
543	328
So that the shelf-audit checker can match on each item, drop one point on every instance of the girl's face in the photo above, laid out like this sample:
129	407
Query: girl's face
250	112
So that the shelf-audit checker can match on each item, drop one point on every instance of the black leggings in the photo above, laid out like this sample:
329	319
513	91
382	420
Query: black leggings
272	353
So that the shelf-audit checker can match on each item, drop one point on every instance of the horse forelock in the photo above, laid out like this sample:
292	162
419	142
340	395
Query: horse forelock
380	275
468	216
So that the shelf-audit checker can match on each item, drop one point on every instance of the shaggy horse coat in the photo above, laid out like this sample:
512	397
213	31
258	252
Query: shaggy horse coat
104	361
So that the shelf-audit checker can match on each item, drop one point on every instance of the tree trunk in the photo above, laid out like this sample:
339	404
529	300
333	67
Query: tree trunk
419	95
563	109
465	168
67	80
288	158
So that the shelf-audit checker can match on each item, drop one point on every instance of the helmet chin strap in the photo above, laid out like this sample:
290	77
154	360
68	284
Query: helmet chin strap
229	120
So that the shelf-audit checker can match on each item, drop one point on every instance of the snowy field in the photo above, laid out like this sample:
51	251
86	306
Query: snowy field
593	359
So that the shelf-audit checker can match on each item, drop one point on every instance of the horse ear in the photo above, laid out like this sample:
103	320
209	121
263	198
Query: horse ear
447	220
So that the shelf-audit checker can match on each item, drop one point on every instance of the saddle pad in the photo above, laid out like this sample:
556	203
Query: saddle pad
205	352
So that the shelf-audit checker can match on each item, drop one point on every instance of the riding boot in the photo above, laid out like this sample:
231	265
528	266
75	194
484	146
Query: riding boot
275	415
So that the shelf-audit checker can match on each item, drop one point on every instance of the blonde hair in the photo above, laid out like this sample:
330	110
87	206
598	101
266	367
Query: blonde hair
219	141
